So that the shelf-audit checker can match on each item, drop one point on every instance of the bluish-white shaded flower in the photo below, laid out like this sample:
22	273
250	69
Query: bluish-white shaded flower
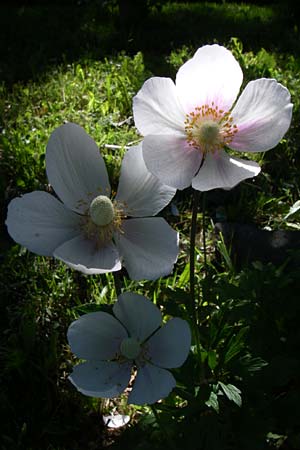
135	339
187	125
87	229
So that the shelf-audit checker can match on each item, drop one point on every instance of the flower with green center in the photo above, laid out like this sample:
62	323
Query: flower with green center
187	125
133	340
88	229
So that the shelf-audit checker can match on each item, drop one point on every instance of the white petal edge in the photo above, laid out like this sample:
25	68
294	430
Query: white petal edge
169	346
151	384
149	247
75	167
141	193
40	222
138	315
221	170
82	254
262	114
101	379
171	159
156	108
96	336
212	75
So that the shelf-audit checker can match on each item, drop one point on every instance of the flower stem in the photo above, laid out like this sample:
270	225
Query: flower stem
192	251
204	233
118	284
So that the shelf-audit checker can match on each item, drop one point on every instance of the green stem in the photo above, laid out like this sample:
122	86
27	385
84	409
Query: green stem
118	284
204	233
192	251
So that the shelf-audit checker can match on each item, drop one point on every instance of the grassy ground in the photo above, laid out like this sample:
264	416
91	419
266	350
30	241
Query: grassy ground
82	63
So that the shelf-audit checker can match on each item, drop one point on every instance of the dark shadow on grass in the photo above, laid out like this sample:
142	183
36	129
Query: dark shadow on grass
33	38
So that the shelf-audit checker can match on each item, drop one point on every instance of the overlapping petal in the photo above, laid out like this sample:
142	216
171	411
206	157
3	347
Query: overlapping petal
83	255
151	384
221	170
75	168
156	108
141	193
212	75
171	159
101	379
170	345
140	316
149	247
263	114
96	336
40	222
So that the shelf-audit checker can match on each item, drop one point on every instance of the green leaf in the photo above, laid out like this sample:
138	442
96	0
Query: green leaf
212	359
213	402
232	393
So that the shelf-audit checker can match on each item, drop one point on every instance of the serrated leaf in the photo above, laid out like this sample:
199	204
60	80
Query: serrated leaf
213	401
232	393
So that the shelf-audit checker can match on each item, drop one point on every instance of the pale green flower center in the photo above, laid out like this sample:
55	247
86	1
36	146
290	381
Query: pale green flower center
101	210
209	128
130	348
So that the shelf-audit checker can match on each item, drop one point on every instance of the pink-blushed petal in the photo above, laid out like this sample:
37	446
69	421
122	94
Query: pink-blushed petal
212	75
138	315
170	345
75	168
156	108
101	379
96	336
151	384
171	159
221	170
262	114
83	255
40	222
149	248
140	192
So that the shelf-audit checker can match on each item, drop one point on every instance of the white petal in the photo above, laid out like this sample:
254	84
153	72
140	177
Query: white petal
141	193
116	420
101	379
138	314
75	168
82	255
151	384
156	108
149	248
96	336
212	75
221	170
262	114
170	345
40	222
171	159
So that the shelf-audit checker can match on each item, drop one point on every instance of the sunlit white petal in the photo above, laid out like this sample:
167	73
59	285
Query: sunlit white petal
96	336
149	247
263	114
101	379
138	314
141	193
212	75
151	384
171	159
83	255
170	345
75	168
156	108
221	170
40	222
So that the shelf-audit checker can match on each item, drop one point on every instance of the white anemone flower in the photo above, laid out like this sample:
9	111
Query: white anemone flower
87	229
133	341
186	125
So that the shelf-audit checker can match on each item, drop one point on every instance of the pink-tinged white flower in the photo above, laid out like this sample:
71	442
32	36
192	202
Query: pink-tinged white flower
87	229
187	125
133	340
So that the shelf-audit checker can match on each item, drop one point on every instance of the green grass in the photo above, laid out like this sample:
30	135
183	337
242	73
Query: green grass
249	319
